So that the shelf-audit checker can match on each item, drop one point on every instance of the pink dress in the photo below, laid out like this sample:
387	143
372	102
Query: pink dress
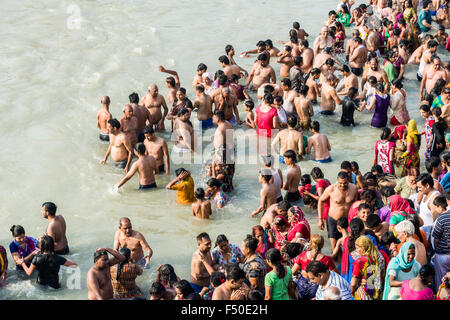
382	149
265	121
409	294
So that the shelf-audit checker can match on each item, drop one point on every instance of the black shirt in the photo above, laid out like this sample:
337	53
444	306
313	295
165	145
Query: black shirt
348	108
48	269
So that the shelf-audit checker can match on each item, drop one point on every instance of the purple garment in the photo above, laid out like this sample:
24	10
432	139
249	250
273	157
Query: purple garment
379	119
384	214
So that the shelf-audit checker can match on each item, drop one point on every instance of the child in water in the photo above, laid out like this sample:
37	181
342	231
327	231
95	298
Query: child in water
250	116
305	188
202	208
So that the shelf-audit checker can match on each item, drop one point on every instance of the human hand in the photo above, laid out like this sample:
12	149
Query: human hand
103	161
320	224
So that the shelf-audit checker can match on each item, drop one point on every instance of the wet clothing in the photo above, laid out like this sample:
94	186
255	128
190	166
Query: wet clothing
63	251
30	246
48	269
265	121
379	119
348	108
147	186
104	137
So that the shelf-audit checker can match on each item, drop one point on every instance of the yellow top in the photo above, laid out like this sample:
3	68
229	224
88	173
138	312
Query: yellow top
185	191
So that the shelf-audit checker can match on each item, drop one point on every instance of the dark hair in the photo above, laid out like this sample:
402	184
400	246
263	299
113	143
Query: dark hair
171	81
185	287
305	179
372	221
431	163
342	222
292	121
213	182
387	238
262	57
47	245
330	62
363	206
343	175
425	179
179	171
157	289
249	104
140	148
377	168
346	165
200	88
368	195
386	132
224	59
293	249
114	123
303	90
387	191
315	267
268	98
316	173
315	71
149	130
99	254
286	82
217	278
440	201
228	48
50	207
296	25
221	238
202	66
255	295
167	273
426	271
219	114
356	228
284	205
233	272
126	253
134	97
315	125
203	235
17	230
251	243
199	193
354	164
290	154
278	99
274	257
298	60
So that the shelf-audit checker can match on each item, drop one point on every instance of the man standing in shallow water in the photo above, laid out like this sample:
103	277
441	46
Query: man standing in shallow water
126	237
56	228
153	101
157	147
202	265
103	115
119	146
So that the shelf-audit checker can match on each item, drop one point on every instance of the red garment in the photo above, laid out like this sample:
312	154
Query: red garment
398	204
302	260
305	188
353	212
382	150
344	257
299	228
447	46
265	121
399	132
324	183
394	121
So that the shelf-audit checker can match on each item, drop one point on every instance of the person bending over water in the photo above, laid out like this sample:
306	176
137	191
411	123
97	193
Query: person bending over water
145	166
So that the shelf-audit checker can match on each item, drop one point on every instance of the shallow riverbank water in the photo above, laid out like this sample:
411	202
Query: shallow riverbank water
59	58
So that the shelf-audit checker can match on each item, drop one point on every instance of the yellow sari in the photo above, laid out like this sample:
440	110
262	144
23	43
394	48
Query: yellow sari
411	155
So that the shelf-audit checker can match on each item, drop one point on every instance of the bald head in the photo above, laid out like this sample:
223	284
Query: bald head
124	220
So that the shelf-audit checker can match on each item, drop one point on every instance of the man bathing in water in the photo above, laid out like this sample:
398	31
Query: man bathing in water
157	147
350	81
203	105
320	143
268	191
293	176
153	101
313	85
173	83
146	168
202	208
342	194
223	137
433	72
202	265
184	132
119	146
230	69
126	237
304	108
56	228
376	71
261	73
129	124
103	115
141	113
322	41
289	139
329	96
98	278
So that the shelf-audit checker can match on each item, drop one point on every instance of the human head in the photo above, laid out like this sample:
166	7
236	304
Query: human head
204	242
426	274
273	257
101	260
283	207
201	68
128	111
105	101
224	60
217	278
18	233
134	98
125	226
140	148
316	173
181	94
332	292
440	202
434	165
290	157
167	274
48	209
47	244
113	126
373	221
316	242
218	116
223	243
317	272
249	105
258	233
404	230
342	224
157	291
425	183
249	245
343	180
292	121
315	126
183	289
364	211
235	276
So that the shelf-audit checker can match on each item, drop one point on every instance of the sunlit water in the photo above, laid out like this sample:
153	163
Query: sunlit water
59	58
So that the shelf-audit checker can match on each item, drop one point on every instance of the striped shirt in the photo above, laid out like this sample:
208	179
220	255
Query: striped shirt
441	231
335	280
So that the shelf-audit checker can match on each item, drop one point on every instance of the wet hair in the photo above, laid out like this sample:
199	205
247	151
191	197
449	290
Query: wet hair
17	230
114	123
354	164
387	191
432	44
316	267
284	205
345	68
224	59
425	179
397	83
304	43
269	43
249	104
251	243
372	221
305	179
298	60
372	80
202	236
316	173
217	278
268	98
233	272
358	40
293	249
329	62
199	193
202	66
356	228
343	175
167	273
292	121
379	87
219	114
386	132
294	38
134	98
213	182
99	254
427	270
50	207
286	82
303	90
255	295
140	148
47	244
440	201
274	257
185	287
149	130
342	222
261	43
126	253
157	289
315	125
328	50
221	238
262	57
171	81
363	206
290	154
346	165
228	48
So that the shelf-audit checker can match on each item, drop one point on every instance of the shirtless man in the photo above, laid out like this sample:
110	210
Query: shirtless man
441	36
98	278
203	105
103	115
322	41
201	69
281	208
301	33
329	96
126	237
320	143
145	166
260	48
223	135
268	191
119	146
376	71
157	147
153	101
261	73
184	132
229	69
322	57
350	81
56	228
201	263
442	17
372	40
173	83
289	95
341	195
129	124
289	139
433	72
234	287
227	102
307	55
358	57
351	44
273	51
202	208
313	86
141	113
417	54
425	59
304	108
287	61
292	177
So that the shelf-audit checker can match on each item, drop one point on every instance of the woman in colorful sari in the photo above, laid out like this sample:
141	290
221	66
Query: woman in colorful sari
23	247
384	152
400	209
370	266
410	157
265	239
400	268
349	252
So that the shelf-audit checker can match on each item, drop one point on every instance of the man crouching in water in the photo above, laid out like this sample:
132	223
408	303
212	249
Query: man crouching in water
119	146
145	167
98	278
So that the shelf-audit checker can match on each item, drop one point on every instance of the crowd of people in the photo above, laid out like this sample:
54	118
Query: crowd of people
388	229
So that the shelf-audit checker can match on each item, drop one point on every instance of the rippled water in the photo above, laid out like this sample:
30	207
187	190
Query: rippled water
59	58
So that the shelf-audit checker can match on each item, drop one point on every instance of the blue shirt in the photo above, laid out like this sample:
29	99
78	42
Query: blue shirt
441	231
337	281
445	181
424	15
